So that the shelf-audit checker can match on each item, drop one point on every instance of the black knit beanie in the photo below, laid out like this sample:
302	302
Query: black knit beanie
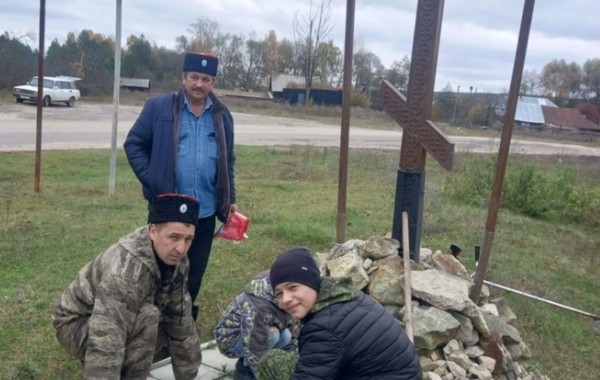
295	265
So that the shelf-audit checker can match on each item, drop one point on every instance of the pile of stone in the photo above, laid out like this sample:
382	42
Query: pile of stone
455	338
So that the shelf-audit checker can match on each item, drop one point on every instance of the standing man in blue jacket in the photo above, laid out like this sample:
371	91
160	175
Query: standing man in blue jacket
183	143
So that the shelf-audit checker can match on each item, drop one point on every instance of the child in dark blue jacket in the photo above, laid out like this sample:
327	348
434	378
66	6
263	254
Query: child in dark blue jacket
345	333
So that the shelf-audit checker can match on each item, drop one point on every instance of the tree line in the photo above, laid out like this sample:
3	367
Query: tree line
247	63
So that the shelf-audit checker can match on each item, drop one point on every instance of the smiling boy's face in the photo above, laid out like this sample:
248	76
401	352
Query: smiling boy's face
295	298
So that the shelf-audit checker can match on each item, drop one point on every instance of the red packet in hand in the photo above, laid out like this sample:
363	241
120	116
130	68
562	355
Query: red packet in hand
235	227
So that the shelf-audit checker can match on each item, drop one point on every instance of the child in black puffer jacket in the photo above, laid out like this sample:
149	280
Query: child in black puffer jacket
345	333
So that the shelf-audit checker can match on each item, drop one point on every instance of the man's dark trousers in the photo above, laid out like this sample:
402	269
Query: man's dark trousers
198	255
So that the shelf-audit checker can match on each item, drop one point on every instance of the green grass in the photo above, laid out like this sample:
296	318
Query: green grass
290	194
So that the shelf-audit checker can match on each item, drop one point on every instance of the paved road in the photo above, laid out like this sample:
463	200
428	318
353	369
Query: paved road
90	126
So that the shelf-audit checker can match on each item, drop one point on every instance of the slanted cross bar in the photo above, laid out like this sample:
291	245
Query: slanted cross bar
420	135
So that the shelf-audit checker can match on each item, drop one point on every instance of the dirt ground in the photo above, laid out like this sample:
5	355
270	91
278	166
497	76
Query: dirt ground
92	111
89	125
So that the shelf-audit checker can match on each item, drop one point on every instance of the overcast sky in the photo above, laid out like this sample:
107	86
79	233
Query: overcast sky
477	47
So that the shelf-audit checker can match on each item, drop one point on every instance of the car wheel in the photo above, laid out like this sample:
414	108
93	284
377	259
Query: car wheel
19	100
71	102
46	101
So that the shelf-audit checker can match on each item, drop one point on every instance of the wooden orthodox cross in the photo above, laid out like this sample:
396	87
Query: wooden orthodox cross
420	134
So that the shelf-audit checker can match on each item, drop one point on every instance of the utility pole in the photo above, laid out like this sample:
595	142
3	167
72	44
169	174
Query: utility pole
455	103
40	97
116	85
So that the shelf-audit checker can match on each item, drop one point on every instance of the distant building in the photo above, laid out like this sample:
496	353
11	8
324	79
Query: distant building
135	84
279	82
529	111
568	119
541	113
292	89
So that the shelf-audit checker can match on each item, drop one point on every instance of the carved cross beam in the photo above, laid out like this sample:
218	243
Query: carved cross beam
413	115
419	132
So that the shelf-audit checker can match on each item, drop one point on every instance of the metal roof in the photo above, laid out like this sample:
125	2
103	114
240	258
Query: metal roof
529	113
281	81
536	100
529	109
568	118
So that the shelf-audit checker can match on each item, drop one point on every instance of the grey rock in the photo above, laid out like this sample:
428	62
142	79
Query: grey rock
349	265
432	327
378	247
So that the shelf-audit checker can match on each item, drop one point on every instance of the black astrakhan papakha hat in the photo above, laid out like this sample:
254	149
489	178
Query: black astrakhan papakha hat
205	63
173	208
295	265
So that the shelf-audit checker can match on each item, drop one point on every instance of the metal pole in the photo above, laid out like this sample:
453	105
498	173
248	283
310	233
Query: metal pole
407	284
509	118
116	86
541	299
40	97
345	131
455	104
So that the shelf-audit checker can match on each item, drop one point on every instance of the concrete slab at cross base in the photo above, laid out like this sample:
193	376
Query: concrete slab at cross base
214	366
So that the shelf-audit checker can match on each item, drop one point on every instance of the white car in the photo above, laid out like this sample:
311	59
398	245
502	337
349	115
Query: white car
59	89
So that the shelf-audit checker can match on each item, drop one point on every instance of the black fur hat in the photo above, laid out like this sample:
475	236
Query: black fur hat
206	63
173	208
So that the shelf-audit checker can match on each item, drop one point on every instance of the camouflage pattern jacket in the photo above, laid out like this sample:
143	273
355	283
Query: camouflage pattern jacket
248	317
111	289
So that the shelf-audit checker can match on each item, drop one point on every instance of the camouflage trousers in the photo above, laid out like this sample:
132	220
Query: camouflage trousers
146	344
276	364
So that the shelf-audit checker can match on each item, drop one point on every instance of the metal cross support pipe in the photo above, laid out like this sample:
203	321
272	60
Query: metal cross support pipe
541	299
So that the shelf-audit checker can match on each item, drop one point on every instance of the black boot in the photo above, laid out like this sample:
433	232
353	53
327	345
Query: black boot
242	372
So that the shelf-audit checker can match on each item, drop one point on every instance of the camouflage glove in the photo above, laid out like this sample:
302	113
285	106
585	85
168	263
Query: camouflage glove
276	365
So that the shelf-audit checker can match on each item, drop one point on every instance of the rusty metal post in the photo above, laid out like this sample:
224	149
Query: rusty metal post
40	97
509	118
345	130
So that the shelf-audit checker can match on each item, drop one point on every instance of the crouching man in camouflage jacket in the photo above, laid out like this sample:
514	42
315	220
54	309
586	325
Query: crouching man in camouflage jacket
129	307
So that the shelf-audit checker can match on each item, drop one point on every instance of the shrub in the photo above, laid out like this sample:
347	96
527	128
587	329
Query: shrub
471	182
358	99
549	194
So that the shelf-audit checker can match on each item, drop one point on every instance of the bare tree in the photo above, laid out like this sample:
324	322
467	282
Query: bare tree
309	32
561	79
254	64
397	74
530	82
205	34
230	50
181	44
591	78
28	38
